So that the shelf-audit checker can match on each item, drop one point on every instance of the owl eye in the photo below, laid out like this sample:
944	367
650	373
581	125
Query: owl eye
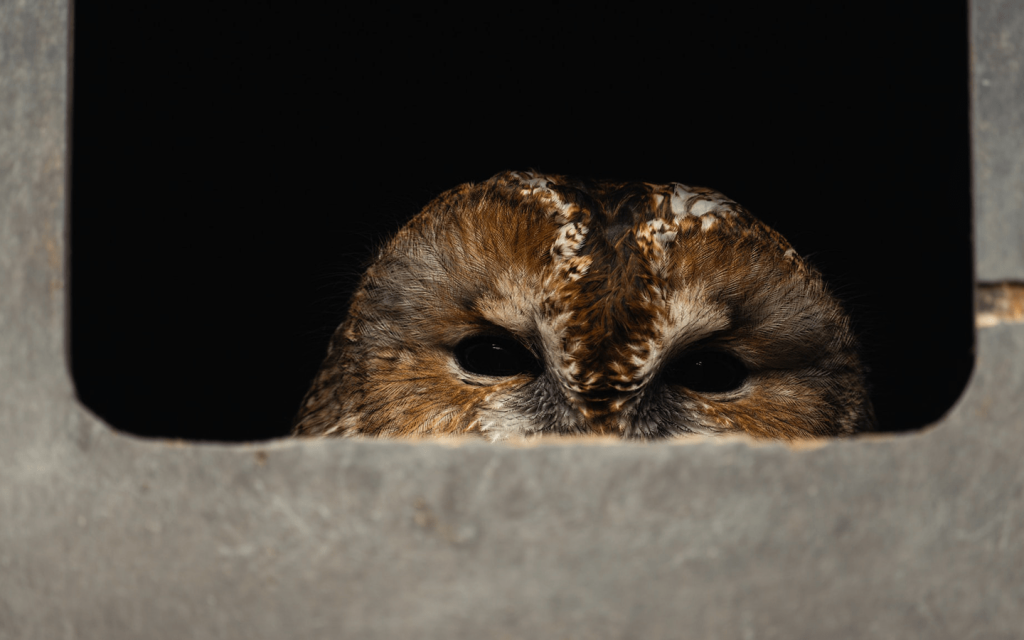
495	356
707	371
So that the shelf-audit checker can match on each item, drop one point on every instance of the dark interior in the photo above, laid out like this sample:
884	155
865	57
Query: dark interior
233	170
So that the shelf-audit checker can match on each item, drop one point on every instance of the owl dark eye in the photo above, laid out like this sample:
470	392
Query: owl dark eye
707	371
495	356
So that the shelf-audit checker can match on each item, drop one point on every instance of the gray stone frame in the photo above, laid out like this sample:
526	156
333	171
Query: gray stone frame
106	535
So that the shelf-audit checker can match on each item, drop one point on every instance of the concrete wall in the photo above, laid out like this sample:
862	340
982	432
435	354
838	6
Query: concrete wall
104	535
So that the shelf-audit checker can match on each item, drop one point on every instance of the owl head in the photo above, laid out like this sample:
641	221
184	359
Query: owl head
534	304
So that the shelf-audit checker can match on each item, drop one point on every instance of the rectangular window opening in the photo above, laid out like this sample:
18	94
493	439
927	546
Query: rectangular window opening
233	174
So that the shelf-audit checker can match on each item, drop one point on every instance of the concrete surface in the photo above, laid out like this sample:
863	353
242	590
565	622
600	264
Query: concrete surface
104	535
997	129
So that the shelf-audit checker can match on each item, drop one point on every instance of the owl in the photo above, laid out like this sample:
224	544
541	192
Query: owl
532	305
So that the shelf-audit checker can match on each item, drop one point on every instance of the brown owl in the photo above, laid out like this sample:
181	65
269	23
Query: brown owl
537	304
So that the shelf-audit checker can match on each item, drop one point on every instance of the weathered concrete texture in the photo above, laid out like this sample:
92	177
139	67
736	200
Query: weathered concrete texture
33	116
997	129
912	537
107	536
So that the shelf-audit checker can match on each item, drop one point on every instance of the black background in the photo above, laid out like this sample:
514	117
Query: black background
234	167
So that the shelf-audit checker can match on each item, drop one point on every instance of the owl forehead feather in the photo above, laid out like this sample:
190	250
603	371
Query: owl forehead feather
579	228
649	215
